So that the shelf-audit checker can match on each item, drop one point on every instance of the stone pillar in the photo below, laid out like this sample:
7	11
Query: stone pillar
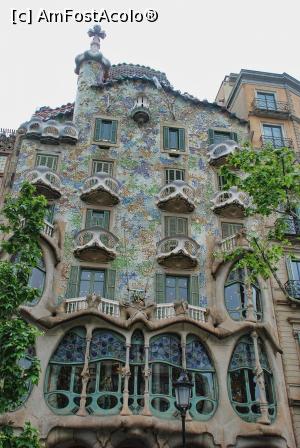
85	375
147	373
126	373
259	373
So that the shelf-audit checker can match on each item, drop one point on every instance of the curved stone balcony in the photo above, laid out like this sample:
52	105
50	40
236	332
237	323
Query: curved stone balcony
231	203
177	197
179	252
96	244
218	152
47	182
101	189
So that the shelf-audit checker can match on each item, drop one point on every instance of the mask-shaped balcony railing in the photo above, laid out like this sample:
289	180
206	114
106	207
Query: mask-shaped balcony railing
276	142
105	306
101	189
167	311
96	244
292	226
218	152
179	252
231	203
47	182
293	289
177	197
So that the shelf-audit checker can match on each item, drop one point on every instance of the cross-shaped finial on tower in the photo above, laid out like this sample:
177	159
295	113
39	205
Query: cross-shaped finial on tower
96	33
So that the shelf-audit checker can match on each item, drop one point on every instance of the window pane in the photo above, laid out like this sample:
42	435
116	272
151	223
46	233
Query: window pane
3	160
230	228
84	288
295	269
238	386
160	379
221	136
106	128
100	166
91	386
109	376
173	138
204	385
37	279
59	377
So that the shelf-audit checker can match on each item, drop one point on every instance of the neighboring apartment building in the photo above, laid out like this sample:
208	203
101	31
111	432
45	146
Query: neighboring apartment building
131	292
271	103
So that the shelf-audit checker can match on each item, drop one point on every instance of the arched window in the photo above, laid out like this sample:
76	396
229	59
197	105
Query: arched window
242	383
136	381
107	358
236	296
201	372
25	363
63	377
165	362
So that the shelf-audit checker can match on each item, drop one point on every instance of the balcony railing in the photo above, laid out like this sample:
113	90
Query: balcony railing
179	252
48	228
218	152
96	244
277	142
293	288
47	182
177	196
101	189
167	310
106	306
231	203
271	107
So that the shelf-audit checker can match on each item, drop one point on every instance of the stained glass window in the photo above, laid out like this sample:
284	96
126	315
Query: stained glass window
165	348
107	344
243	387
236	296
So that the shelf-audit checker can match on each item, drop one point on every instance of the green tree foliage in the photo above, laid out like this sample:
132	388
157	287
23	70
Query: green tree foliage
28	438
24	220
271	177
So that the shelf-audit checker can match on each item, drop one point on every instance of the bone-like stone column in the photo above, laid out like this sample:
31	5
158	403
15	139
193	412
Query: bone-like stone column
85	374
259	373
147	373
250	316
126	374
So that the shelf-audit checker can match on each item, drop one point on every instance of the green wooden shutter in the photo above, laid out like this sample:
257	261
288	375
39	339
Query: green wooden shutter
97	132
89	218
288	261
194	290
210	136
166	137
160	288
73	283
110	284
234	136
114	126
181	139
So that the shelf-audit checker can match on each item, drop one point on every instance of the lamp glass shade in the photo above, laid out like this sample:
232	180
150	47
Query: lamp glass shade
183	389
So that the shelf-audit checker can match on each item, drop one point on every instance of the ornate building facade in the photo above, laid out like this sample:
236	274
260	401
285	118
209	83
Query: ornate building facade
131	292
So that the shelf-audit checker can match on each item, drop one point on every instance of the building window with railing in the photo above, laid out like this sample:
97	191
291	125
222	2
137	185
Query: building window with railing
48	160
293	283
273	135
105	131
174	139
84	281
172	288
102	166
266	101
172	174
241	297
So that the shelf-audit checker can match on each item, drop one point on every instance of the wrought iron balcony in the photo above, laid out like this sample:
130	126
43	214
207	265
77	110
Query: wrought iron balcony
47	182
101	189
177	197
270	108
179	252
277	142
293	288
167	310
105	306
218	152
96	244
231	203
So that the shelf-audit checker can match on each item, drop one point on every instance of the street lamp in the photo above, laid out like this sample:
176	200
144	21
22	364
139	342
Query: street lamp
183	391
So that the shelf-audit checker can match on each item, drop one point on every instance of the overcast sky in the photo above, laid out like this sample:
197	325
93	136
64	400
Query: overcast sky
196	43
